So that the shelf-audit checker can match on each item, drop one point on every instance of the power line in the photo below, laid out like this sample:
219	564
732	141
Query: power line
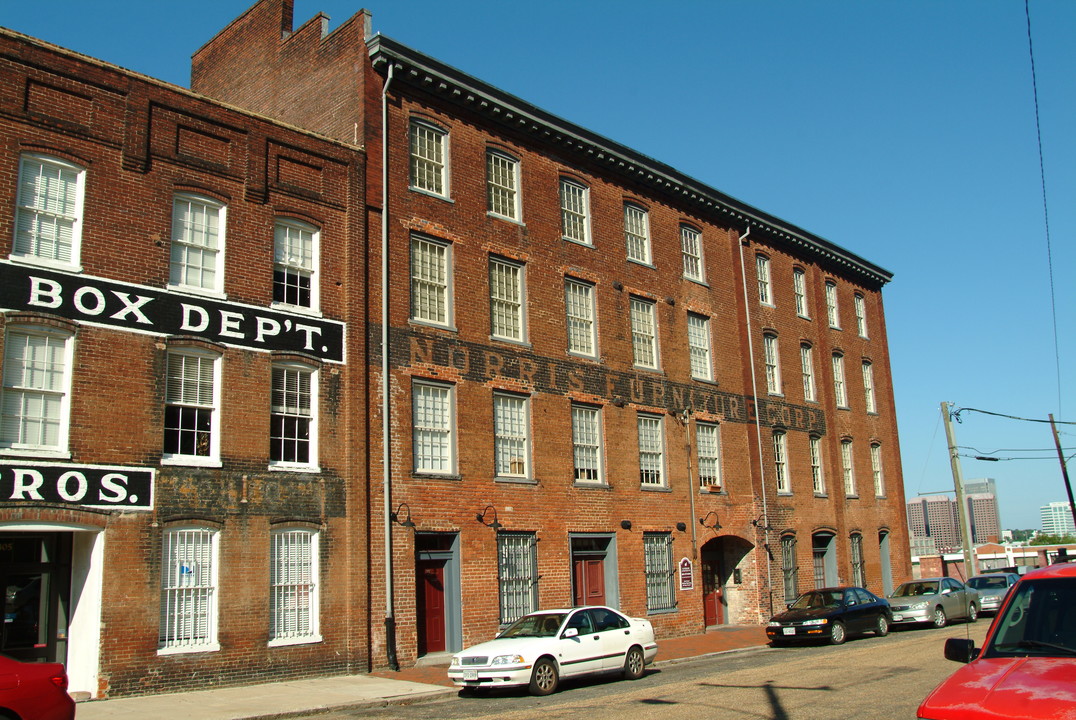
956	415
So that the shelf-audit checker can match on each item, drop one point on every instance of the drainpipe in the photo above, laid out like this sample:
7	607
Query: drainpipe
765	526
386	445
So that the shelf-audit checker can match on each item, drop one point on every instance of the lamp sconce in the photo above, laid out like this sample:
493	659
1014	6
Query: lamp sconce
626	524
670	300
761	524
619	401
617	285
406	522
481	517
681	526
709	520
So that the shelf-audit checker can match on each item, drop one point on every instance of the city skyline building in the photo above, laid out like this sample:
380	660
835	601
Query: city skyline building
1057	519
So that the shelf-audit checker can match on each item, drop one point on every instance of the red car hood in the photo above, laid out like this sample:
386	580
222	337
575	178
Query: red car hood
1022	688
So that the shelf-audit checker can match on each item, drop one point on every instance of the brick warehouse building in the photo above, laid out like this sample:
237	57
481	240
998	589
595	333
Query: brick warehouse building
605	381
182	482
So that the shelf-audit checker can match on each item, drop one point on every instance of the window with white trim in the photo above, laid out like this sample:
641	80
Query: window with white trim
817	477
506	299
691	249
637	233
708	446
431	296
511	435
429	154
502	183
651	451
840	392
660	571
855	544
698	343
848	468
189	583
579	306
294	613
807	369
517	574
295	249
773	365
860	307
292	427
197	249
644	336
191	411
48	212
831	305
876	470
789	569
780	462
762	264
868	386
575	211
799	289
587	443
36	396
433	427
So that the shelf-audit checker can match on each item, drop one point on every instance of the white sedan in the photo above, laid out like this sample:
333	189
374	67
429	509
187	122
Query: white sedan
541	648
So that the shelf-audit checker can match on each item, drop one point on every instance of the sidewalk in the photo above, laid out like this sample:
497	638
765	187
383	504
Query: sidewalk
382	687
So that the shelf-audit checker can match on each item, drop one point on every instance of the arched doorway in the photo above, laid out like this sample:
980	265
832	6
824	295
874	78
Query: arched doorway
722	577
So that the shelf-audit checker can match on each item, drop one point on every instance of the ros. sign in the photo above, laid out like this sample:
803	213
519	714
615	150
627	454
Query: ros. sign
90	486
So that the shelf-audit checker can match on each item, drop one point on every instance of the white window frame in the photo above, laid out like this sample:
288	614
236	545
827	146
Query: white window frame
296	254
431	281
644	332
517	574
43	219
189	602
294	587
848	468
698	342
810	392
708	449
428	158
190	395
588	452
868	387
691	251
840	389
765	281
511	436
876	470
818	477
651	451
502	185
659	572
833	315
581	318
772	361
203	240
575	212
780	463
31	381
507	300
637	233
293	400
437	429
799	289
860	307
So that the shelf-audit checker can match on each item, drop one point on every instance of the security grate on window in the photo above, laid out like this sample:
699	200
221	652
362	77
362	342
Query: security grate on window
518	574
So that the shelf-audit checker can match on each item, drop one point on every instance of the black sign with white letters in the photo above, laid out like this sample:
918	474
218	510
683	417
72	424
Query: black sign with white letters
91	486
142	309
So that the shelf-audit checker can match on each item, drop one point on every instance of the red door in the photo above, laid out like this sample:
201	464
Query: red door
431	606
711	591
588	577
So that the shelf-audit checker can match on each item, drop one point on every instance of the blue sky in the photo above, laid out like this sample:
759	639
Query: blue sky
902	131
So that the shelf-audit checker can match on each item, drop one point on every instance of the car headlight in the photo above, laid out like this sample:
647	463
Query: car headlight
455	662
773	623
816	621
919	605
507	660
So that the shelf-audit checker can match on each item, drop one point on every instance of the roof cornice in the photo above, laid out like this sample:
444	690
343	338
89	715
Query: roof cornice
421	71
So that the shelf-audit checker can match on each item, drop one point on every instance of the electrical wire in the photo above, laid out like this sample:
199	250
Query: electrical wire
956	416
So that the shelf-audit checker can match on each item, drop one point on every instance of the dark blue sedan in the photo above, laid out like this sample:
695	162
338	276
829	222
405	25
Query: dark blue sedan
830	615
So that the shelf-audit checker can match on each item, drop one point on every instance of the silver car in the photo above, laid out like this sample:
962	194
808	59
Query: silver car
934	600
992	588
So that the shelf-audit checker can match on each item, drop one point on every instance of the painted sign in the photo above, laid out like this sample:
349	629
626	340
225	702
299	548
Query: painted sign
149	310
91	486
687	575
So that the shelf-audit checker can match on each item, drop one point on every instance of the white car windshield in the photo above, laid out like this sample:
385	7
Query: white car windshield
540	625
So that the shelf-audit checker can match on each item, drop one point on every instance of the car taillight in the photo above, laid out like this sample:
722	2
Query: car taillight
60	680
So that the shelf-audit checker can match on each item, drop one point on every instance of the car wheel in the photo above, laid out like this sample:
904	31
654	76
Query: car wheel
837	634
940	620
634	664
881	629
544	677
973	613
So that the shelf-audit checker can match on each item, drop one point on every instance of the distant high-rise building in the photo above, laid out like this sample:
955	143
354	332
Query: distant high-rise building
980	486
985	521
935	517
1057	519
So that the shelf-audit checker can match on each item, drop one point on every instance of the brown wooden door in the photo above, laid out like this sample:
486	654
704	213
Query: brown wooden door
431	606
712	590
588	575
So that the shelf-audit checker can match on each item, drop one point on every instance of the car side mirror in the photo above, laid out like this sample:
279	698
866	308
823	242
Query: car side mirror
960	650
570	633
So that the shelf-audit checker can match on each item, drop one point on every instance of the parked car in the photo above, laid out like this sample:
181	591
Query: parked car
992	588
1026	669
933	600
540	649
831	615
34	691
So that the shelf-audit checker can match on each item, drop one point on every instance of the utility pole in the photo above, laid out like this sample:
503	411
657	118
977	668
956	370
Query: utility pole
1064	468
971	566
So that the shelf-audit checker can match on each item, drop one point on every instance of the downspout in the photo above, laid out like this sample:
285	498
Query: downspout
386	445
765	525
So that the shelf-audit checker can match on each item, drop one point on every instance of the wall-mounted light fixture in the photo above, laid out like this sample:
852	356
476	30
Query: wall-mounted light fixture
681	526
761	523
481	517
709	520
406	522
626	524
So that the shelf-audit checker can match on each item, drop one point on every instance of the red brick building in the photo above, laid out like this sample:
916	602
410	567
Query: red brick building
606	381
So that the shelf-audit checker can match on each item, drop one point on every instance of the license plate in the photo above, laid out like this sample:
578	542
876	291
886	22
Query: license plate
788	631
470	674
